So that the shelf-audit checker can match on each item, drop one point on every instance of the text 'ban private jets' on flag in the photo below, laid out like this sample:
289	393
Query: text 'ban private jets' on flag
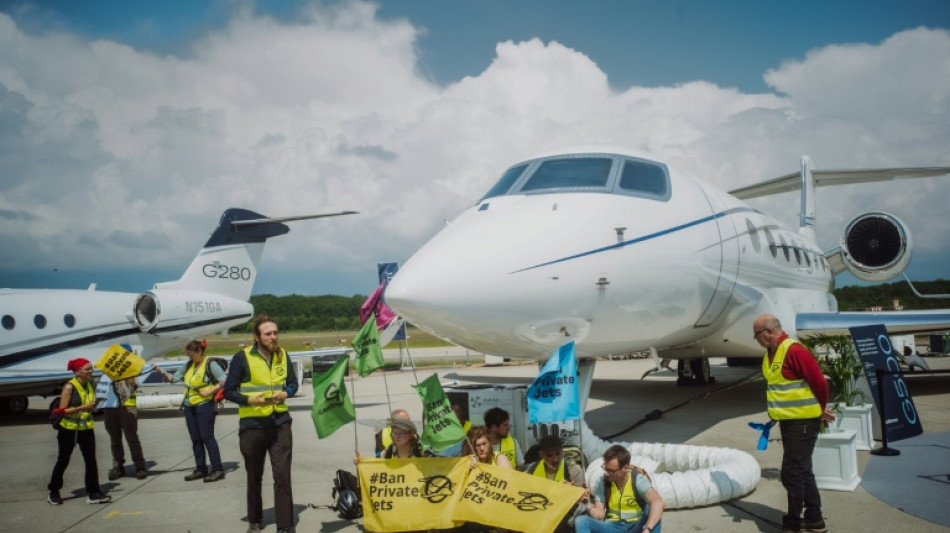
553	395
332	408
442	427
369	356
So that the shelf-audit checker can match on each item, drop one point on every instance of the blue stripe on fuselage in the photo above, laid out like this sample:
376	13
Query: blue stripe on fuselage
668	231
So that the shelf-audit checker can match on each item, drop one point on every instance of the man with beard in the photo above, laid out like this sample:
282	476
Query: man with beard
260	379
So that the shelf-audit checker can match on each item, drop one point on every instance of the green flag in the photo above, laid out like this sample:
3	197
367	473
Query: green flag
442	427
332	408
369	356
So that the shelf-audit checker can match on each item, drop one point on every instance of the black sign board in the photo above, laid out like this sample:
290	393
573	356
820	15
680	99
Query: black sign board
876	352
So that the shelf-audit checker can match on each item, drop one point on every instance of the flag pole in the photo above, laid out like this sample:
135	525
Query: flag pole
356	443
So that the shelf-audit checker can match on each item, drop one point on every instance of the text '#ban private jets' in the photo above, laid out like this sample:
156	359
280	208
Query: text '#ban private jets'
45	328
622	253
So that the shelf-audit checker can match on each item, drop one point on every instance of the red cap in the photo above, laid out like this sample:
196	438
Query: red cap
76	364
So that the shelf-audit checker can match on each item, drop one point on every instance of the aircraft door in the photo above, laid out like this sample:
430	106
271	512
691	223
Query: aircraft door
728	262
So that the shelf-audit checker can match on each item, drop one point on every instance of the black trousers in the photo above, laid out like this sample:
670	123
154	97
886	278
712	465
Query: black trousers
124	421
798	441
255	444
67	440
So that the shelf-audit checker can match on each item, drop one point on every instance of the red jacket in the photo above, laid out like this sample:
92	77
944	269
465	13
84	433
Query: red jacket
801	364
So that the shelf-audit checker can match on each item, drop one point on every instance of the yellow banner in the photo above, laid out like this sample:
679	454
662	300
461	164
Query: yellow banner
119	363
410	494
514	500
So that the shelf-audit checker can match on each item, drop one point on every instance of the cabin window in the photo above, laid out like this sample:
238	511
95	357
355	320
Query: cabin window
39	321
69	320
772	248
8	322
506	181
788	256
643	177
572	173
753	235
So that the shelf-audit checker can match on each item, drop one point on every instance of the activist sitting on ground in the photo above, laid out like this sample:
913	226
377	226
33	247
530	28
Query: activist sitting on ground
384	437
555	467
623	500
199	409
482	452
405	441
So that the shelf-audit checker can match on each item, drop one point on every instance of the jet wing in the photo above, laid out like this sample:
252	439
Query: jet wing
896	322
824	178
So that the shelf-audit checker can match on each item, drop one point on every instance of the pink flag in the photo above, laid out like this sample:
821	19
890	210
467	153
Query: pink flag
375	305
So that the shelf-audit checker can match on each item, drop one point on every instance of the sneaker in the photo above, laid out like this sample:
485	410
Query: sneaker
98	497
814	526
215	475
253	528
54	498
116	473
195	474
141	474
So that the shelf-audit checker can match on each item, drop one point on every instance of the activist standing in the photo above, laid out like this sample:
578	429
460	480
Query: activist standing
202	381
622	500
77	404
498	423
260	379
121	418
797	396
478	445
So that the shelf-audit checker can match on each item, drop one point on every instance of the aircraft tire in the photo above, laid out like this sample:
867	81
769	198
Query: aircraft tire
14	405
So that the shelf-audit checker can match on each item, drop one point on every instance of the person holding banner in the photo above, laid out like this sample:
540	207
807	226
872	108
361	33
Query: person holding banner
121	418
202	381
77	403
554	467
260	379
384	437
498	423
623	499
478	445
797	396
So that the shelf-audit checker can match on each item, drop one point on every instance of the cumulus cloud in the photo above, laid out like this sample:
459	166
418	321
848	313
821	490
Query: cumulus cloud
108	150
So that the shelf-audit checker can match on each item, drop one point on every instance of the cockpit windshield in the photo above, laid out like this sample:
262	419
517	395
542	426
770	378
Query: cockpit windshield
601	173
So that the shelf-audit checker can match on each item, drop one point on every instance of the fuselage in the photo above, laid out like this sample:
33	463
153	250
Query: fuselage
613	250
44	328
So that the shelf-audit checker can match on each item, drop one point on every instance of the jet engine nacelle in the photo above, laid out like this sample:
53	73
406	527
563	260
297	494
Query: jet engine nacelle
876	247
164	312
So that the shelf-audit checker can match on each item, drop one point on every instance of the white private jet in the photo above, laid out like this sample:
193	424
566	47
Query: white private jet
623	253
42	329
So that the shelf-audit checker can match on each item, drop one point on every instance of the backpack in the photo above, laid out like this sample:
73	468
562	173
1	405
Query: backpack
346	495
223	365
55	418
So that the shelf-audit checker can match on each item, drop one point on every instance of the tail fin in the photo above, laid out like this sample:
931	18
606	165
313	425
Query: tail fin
227	264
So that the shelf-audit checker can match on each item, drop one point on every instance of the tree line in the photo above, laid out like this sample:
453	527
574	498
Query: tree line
330	312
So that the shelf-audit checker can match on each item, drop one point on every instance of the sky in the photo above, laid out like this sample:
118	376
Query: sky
126	128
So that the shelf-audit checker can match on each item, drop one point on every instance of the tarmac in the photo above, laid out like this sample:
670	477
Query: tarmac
711	415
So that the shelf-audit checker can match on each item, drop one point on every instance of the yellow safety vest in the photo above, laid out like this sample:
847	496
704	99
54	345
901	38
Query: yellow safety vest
624	506
558	474
788	399
264	379
130	401
83	419
506	447
195	379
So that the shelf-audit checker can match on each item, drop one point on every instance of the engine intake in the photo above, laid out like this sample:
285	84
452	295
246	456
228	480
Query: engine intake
167	312
876	247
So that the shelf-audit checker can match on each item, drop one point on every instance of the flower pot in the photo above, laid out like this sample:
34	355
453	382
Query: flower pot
858	418
835	460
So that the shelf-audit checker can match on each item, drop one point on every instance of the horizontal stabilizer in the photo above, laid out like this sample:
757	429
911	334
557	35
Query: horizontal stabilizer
896	322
